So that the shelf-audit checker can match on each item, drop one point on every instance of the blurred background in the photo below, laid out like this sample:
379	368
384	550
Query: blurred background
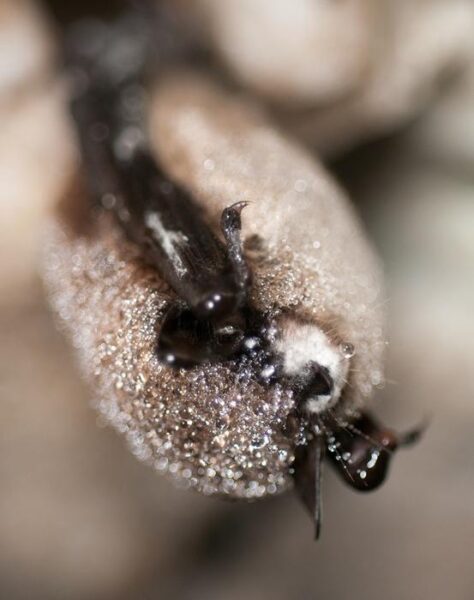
383	92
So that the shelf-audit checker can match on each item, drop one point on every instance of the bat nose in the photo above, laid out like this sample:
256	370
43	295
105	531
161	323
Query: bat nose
320	382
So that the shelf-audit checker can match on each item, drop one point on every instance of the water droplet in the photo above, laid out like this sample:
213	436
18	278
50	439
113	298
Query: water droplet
267	372
251	343
260	442
347	349
222	422
301	185
377	379
220	440
162	463
174	468
128	142
109	201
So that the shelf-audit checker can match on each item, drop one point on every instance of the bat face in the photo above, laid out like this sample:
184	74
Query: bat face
316	365
229	369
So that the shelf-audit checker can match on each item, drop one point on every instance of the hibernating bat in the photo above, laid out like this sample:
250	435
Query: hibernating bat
218	287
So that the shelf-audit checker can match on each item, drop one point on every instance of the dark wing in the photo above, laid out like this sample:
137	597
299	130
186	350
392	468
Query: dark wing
155	212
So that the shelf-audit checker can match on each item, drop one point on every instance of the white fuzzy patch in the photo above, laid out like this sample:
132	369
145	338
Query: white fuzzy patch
168	240
303	344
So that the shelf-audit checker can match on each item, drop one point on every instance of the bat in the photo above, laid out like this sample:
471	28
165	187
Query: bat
212	323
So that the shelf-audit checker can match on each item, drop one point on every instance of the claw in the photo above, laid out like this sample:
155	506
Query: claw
238	206
414	435
231	225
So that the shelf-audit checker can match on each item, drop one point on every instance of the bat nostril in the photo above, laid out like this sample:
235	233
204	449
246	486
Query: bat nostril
320	382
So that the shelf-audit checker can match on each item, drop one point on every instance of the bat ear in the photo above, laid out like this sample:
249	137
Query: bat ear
412	436
361	452
179	340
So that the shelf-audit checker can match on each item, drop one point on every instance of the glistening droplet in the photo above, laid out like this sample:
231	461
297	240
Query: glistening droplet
347	349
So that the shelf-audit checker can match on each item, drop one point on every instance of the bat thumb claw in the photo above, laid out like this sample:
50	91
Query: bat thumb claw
238	206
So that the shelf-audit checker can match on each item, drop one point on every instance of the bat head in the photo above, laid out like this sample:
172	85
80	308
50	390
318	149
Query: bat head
312	362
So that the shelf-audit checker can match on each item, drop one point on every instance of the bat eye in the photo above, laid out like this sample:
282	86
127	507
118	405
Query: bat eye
216	305
179	343
228	338
186	341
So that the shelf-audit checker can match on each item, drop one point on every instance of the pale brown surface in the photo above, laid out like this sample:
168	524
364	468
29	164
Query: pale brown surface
80	518
339	73
295	52
26	47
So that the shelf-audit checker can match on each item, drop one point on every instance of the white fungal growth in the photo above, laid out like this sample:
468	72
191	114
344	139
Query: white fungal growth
168	240
302	345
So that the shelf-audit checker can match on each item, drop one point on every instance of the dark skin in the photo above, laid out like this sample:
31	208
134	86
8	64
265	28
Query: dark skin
360	452
209	276
211	319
